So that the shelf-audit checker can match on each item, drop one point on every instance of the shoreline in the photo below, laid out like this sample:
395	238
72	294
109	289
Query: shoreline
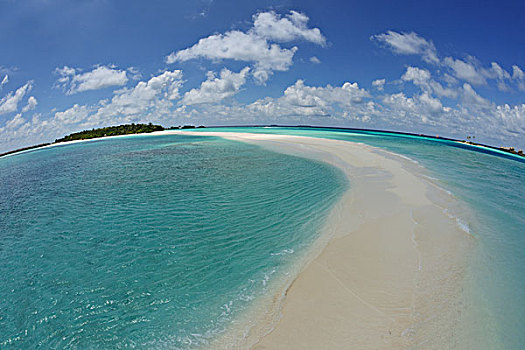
389	269
505	152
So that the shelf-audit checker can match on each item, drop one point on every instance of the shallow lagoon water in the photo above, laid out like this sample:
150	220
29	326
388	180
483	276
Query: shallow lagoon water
149	241
493	188
160	241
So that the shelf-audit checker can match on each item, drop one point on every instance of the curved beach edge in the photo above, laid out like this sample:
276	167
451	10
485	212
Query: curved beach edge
391	271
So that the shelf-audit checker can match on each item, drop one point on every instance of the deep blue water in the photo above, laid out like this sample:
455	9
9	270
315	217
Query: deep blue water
148	242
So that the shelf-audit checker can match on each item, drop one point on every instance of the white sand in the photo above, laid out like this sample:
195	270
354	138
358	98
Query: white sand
391	276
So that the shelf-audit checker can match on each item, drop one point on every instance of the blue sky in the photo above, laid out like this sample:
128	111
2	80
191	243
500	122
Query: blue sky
450	68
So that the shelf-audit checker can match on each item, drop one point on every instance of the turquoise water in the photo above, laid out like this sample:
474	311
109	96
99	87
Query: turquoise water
161	241
494	188
149	241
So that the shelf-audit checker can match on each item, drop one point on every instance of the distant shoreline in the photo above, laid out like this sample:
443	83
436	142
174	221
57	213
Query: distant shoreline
506	152
473	145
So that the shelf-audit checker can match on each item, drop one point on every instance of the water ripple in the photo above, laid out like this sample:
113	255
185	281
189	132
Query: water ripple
148	242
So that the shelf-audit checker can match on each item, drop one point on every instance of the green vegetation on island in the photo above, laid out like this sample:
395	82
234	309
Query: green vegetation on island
124	129
24	149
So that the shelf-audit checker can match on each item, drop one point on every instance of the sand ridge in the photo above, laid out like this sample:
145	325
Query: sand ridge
391	275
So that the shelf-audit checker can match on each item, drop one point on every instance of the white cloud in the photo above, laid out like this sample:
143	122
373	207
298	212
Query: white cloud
430	104
417	75
512	118
73	115
293	26
519	77
504	123
31	104
409	44
65	71
146	98
471	97
498	73
419	108
300	100
422	78
215	89
15	122
314	59
9	103
4	81
239	46
72	81
134	73
379	84
466	70
255	45
302	95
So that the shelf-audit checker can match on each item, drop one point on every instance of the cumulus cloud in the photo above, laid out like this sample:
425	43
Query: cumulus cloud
147	97
422	78
499	74
73	81
519	77
503	122
473	115
293	26
471	71
13	129
73	115
239	46
466	71
379	84
255	45
471	97
215	89
301	95
409	44
314	59
511	117
300	100
420	108
31	104
9	103
15	122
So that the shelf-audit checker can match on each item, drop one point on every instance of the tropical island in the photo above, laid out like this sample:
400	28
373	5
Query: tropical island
125	129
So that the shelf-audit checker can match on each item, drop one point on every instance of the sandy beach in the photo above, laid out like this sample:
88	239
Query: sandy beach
391	274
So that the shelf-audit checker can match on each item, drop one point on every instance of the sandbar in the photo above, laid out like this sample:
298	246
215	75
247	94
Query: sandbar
391	273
